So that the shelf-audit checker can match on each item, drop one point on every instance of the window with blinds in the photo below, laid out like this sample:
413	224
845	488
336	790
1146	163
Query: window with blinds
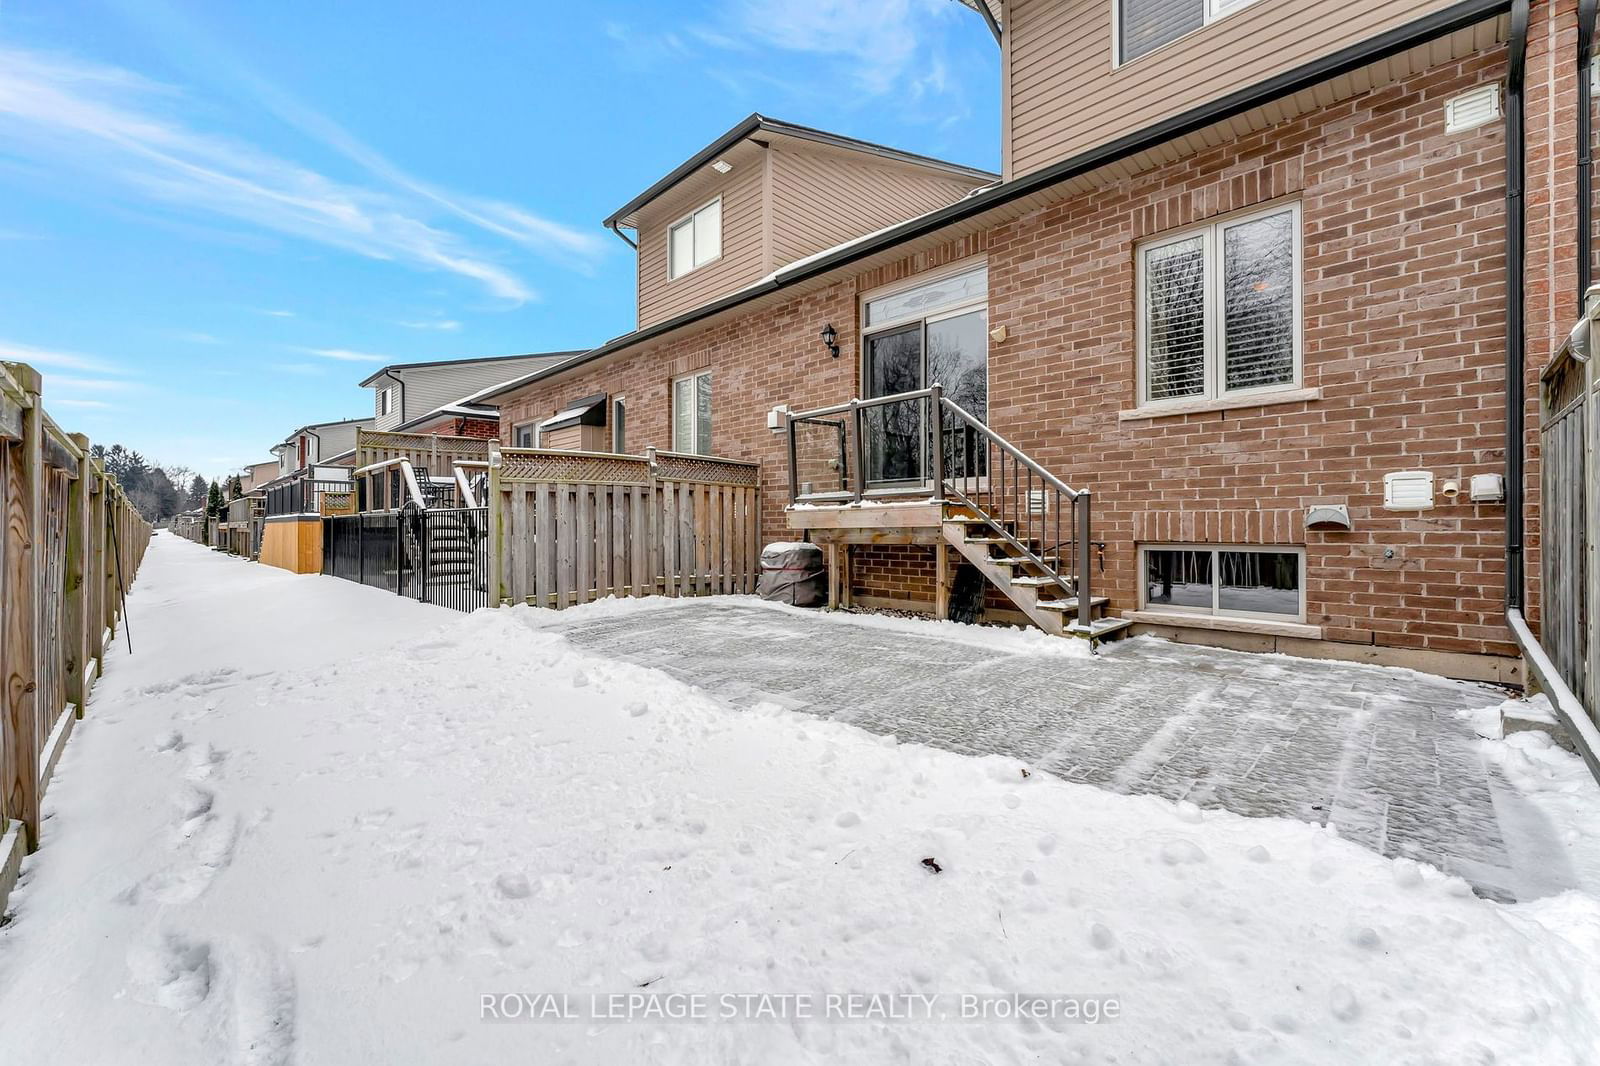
691	414
1219	309
1145	25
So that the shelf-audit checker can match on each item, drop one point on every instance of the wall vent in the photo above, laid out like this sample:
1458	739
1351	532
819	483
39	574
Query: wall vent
1472	109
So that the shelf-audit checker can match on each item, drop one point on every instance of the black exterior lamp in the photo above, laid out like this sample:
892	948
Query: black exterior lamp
830	338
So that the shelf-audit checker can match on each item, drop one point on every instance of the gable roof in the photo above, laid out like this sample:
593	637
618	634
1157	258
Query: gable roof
759	123
382	371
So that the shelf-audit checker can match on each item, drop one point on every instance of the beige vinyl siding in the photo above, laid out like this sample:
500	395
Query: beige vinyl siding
1065	95
822	197
743	255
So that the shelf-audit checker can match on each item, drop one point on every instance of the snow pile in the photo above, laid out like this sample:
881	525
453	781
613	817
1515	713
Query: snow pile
311	821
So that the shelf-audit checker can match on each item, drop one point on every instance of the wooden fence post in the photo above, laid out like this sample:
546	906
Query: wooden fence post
496	532
24	560
75	613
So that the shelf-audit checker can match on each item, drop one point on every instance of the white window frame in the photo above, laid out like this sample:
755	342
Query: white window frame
619	403
1211	234
518	427
1213	10
672	412
672	274
386	401
1216	611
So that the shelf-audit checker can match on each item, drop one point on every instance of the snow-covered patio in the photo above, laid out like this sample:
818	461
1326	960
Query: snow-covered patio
309	821
1391	757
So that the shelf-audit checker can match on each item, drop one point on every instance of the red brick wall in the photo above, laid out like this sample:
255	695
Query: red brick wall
1403	231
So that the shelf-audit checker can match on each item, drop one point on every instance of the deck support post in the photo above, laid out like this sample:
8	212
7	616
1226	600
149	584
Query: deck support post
844	575
941	593
833	577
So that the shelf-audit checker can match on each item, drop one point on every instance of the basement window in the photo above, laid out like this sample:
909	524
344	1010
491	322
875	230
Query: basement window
1142	26
1219	309
1226	582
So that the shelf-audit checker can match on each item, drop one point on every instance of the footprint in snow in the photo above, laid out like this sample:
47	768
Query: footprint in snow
169	970
169	741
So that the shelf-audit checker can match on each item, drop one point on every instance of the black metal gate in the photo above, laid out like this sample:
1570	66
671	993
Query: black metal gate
434	556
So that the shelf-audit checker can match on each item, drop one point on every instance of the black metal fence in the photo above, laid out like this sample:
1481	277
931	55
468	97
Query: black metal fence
301	496
435	556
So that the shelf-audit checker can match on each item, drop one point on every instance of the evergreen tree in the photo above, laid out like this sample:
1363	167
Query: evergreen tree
197	494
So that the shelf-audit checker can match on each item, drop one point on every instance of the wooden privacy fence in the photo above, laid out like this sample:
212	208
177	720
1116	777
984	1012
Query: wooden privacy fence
71	542
570	527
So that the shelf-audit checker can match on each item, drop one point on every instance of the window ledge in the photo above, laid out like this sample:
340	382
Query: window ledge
1225	403
1234	625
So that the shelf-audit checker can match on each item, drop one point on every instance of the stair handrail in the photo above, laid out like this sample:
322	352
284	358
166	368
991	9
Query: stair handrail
1079	503
852	465
1016	453
407	474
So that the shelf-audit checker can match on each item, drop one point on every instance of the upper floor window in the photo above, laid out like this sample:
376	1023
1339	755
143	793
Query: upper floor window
1145	25
619	425
1219	309
525	435
695	239
386	400
691	414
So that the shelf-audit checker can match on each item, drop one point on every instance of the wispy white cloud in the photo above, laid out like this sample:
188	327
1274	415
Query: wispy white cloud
444	325
345	355
12	352
67	401
112	124
81	384
278	314
876	48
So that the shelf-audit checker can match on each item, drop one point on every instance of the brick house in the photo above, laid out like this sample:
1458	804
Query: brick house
1248	278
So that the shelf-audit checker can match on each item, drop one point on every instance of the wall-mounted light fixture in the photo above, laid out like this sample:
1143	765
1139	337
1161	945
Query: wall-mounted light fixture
830	339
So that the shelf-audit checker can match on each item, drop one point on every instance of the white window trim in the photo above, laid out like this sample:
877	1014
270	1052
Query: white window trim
689	218
518	427
1215	611
1212	244
386	401
1214	10
672	411
617	446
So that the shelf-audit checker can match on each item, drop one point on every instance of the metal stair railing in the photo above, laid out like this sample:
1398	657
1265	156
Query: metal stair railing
1014	494
1007	490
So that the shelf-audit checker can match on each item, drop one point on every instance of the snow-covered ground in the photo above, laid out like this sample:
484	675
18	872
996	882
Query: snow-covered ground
311	822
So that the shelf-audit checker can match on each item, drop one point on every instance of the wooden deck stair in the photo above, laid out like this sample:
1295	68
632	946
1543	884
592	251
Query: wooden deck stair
1043	593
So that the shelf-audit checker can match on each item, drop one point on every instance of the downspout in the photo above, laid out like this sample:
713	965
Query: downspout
1586	16
1516	153
614	228
392	376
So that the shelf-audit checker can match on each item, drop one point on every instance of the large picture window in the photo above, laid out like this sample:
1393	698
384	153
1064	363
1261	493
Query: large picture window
1234	582
1219	309
695	240
691	414
1145	25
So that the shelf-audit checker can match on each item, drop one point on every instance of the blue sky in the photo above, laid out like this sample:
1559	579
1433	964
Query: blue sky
216	218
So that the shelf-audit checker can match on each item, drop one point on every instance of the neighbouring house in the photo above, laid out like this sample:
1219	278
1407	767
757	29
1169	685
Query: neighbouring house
256	475
328	443
443	396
